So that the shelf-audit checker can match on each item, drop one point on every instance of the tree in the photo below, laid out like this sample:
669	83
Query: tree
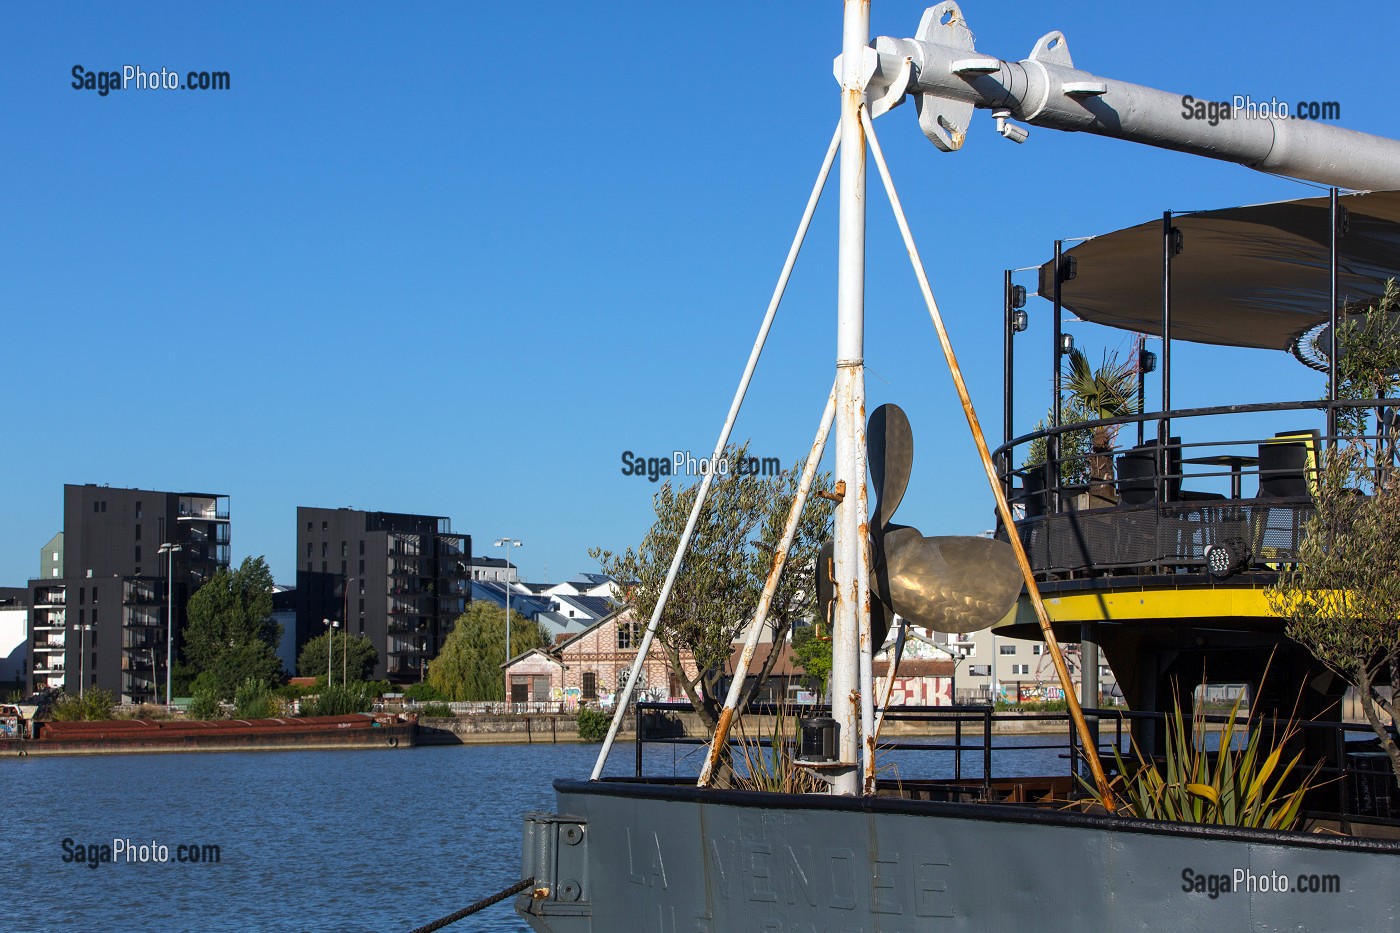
1368	358
813	653
1076	446
231	636
717	589
469	665
1342	599
354	653
1098	394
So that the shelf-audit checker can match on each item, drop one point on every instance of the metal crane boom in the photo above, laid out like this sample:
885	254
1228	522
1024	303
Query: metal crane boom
949	79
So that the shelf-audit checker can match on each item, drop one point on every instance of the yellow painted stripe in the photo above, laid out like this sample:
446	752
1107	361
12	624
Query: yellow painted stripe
1130	605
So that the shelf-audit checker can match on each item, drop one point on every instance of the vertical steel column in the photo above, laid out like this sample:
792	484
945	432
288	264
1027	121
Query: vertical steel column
1089	678
1332	320
851	579
1052	445
1142	388
1164	425
1008	381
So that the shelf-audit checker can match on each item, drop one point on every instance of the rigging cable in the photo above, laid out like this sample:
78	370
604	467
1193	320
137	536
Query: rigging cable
478	906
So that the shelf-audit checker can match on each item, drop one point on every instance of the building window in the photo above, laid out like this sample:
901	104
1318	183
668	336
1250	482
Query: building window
1020	669
344	549
138	532
94	507
1037	648
362	547
138	508
362	611
1105	672
590	685
325	549
308	549
979	670
343	571
626	634
1008	649
362	566
308	526
324	525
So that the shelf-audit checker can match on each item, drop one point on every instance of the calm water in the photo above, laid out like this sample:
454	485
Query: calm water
325	840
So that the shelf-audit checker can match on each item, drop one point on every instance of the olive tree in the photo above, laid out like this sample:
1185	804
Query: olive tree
717	589
1342	599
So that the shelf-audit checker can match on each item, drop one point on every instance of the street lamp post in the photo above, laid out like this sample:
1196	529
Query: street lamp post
83	629
331	626
169	551
507	543
345	642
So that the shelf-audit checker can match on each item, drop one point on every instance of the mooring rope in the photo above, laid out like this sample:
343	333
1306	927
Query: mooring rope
479	905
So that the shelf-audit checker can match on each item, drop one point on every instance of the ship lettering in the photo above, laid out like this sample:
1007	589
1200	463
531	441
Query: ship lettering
719	874
931	889
799	874
884	877
843	881
759	872
656	867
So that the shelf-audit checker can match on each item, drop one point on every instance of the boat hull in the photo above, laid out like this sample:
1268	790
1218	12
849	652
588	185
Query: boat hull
624	856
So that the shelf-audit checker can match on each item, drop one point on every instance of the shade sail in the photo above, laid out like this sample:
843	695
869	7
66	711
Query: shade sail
1252	276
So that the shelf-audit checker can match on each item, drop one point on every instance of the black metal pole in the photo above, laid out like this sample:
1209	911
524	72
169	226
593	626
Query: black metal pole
1164	428
1052	446
1007	380
1142	389
1332	321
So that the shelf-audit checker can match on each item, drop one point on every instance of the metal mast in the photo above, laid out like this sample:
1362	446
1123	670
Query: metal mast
851	576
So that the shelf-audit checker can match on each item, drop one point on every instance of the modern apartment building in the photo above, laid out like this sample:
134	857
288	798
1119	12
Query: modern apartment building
100	606
400	580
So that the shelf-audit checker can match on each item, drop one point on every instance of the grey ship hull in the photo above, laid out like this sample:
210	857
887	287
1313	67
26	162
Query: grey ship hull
621	856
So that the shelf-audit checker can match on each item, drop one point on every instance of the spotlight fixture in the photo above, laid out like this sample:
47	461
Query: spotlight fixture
1226	559
1066	344
1147	361
1019	321
1018	296
1069	268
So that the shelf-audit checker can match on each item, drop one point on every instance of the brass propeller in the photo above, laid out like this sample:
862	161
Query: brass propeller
948	583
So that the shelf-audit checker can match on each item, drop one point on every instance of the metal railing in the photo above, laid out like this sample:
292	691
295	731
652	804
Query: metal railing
1363	794
1074	519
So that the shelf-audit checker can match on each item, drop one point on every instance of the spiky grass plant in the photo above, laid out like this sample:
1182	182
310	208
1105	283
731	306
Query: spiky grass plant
1246	787
772	766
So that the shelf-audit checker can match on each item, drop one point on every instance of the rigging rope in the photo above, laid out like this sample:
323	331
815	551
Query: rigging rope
478	906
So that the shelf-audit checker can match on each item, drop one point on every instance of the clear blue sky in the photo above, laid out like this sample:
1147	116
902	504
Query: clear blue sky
455	258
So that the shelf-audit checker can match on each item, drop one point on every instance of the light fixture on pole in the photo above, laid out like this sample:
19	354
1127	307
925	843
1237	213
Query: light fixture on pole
82	630
331	626
507	543
169	550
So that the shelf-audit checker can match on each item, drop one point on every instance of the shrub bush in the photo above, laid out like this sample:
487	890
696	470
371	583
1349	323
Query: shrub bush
340	700
593	724
205	704
435	709
422	693
253	700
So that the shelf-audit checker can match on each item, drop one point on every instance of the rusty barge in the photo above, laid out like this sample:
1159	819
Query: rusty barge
126	736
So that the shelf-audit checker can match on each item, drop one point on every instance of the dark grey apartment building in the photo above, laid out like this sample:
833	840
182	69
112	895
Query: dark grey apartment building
400	580
98	608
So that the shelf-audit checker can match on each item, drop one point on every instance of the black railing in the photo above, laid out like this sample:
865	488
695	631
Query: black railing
1365	786
1089	513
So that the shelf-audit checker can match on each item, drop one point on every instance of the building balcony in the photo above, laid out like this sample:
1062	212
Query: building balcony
50	620
51	645
42	666
49	596
203	508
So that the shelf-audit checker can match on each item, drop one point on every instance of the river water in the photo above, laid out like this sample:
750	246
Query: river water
315	840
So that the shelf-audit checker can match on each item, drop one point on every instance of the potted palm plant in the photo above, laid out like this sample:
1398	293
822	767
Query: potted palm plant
1110	391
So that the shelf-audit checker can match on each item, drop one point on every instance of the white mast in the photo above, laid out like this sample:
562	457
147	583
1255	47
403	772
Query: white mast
851	604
